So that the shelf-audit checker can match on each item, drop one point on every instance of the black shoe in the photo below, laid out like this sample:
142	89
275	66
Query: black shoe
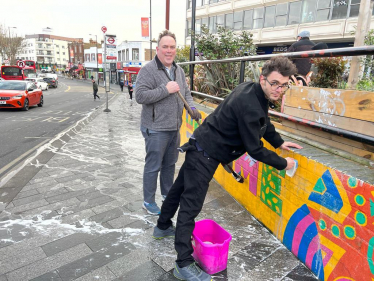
98	97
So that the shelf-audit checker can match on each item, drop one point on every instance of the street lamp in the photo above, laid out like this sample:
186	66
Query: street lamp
10	47
97	60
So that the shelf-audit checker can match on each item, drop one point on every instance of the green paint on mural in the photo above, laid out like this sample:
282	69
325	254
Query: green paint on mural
352	182
370	255
360	218
319	187
371	207
335	231
322	224
271	188
349	231
359	199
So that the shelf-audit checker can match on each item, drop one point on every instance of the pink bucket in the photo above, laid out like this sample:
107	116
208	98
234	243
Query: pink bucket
211	243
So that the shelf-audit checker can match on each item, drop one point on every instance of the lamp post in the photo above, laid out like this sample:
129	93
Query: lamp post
150	27
97	60
10	49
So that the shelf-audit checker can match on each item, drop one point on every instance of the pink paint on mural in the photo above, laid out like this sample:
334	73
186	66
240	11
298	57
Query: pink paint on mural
250	167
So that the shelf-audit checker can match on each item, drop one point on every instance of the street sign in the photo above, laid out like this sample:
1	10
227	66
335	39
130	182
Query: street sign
104	29
21	63
6	61
111	40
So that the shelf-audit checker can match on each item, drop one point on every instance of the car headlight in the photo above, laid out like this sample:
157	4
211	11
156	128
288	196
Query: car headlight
17	97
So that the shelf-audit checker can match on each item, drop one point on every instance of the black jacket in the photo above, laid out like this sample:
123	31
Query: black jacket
302	65
237	126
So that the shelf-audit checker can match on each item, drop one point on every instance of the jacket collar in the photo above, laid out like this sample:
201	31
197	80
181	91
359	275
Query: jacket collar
160	65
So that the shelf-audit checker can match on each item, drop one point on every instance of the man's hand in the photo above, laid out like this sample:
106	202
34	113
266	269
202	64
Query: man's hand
290	163
287	144
196	115
172	87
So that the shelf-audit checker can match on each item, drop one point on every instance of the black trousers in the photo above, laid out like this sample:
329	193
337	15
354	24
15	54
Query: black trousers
121	88
188	192
95	94
130	93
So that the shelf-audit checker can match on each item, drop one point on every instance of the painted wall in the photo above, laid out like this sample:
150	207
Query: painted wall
323	216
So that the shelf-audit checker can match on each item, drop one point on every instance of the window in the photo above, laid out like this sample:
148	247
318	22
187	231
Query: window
213	1
57	53
308	12
220	20
229	21
63	53
355	7
198	26
213	24
205	21
135	54
189	4
238	20
63	46
339	9
295	12
258	18
323	10
281	14
248	19
127	54
269	16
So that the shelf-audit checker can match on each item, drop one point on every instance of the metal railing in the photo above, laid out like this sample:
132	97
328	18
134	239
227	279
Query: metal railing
338	52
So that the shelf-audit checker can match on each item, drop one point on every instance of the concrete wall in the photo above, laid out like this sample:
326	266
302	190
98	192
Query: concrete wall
324	214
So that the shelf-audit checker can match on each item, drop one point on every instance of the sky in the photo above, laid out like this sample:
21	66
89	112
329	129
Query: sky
79	18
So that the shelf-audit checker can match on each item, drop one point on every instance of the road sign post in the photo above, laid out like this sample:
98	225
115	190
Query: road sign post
106	73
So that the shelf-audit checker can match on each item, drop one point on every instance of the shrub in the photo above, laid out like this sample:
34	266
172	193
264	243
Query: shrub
330	72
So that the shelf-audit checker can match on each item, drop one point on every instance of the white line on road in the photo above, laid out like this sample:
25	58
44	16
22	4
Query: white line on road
22	156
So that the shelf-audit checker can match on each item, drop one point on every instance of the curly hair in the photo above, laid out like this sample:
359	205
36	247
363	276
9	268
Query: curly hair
280	64
166	33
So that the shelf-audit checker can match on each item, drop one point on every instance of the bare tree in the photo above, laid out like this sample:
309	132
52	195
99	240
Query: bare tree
10	45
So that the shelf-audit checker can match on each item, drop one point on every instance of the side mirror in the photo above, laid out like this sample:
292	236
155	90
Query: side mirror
30	89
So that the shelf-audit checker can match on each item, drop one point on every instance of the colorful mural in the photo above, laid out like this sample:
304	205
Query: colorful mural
323	216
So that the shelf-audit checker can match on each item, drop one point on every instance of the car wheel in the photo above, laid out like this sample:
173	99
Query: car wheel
40	104
25	105
46	88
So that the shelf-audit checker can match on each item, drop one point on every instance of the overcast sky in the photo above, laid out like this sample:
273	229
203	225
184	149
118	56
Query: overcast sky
79	18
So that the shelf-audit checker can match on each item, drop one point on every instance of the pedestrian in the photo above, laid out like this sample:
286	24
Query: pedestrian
156	90
121	84
303	44
234	128
130	89
95	89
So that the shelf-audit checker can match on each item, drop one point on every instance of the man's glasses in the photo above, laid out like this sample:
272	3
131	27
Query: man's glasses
275	86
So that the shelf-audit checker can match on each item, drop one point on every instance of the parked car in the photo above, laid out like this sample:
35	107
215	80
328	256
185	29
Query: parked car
20	94
39	82
51	82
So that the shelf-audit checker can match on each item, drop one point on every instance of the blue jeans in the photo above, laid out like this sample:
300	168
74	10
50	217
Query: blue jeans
161	156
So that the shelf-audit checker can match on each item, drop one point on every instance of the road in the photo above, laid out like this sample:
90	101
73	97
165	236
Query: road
24	131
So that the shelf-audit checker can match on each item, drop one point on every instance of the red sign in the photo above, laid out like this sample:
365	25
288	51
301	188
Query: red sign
21	63
111	40
71	53
100	58
111	58
119	65
104	29
145	27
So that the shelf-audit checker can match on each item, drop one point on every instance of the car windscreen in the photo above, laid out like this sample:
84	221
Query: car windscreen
47	79
12	85
11	71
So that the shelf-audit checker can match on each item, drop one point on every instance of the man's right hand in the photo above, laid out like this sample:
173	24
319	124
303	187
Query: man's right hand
290	163
172	87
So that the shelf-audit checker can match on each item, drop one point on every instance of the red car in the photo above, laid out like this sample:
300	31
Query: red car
19	94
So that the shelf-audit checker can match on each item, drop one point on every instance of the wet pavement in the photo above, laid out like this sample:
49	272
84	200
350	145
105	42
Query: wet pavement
75	213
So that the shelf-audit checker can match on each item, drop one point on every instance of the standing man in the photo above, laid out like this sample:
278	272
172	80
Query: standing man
234	128
121	83
303	44
130	89
95	89
156	87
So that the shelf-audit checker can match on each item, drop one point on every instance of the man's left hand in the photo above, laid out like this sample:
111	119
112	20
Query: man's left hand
287	144
196	115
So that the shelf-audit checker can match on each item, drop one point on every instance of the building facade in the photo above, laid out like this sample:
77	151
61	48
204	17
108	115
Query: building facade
47	50
276	23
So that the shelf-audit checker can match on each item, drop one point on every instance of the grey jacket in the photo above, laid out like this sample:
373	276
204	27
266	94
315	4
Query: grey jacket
161	111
